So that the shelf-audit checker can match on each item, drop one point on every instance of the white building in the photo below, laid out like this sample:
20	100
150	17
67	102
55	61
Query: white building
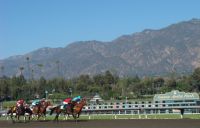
96	99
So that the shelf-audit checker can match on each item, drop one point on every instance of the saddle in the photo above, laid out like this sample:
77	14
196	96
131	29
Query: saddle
63	106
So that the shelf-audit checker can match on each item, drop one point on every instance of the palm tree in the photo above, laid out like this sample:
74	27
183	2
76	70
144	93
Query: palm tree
28	67
32	74
21	70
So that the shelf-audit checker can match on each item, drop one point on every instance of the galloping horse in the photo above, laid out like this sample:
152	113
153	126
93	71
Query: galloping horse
19	111
40	110
74	109
77	109
66	111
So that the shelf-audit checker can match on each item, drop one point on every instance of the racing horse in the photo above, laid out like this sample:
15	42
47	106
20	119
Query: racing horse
77	109
73	108
40	110
58	110
19	111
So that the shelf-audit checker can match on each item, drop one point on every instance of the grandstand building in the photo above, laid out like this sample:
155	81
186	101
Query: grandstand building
170	102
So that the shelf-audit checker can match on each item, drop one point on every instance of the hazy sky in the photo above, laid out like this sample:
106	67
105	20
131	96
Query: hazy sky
26	25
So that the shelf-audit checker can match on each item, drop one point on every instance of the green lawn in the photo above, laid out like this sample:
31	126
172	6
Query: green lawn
7	104
109	117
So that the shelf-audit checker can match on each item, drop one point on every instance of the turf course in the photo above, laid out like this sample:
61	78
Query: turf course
111	117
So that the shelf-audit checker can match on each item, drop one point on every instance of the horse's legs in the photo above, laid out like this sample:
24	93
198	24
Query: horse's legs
74	115
33	116
78	115
56	117
11	116
29	117
7	117
24	118
44	115
66	115
18	117
38	116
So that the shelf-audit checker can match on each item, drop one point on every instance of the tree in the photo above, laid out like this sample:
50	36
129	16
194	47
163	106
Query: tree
138	89
28	67
171	83
98	80
21	70
158	83
32	74
40	68
83	82
4	87
2	70
42	86
109	79
196	78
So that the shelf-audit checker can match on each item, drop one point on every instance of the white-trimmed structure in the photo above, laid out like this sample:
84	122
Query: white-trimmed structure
96	99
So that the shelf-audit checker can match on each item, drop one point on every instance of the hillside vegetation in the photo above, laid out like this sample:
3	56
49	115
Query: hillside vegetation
108	85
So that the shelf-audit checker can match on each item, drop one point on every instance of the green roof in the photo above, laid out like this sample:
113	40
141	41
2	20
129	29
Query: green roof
176	95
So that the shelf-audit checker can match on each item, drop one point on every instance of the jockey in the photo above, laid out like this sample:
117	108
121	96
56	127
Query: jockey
66	102
38	102
75	100
20	103
35	102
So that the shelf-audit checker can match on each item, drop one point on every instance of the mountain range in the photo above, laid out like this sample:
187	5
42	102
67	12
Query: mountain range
150	52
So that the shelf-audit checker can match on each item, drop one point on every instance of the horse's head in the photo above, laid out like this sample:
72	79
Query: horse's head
47	103
83	101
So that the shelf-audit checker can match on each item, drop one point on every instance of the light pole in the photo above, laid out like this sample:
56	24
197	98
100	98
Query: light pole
70	91
46	94
1	104
53	90
126	104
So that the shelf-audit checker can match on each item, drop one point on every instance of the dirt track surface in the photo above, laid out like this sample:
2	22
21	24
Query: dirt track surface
143	123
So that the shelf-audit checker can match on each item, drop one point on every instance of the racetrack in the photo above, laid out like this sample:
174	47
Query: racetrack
133	123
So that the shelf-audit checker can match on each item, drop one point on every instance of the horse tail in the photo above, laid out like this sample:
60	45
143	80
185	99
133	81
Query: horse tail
9	111
52	110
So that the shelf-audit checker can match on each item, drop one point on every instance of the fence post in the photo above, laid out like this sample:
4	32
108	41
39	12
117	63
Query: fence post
89	116
145	114
139	114
181	116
